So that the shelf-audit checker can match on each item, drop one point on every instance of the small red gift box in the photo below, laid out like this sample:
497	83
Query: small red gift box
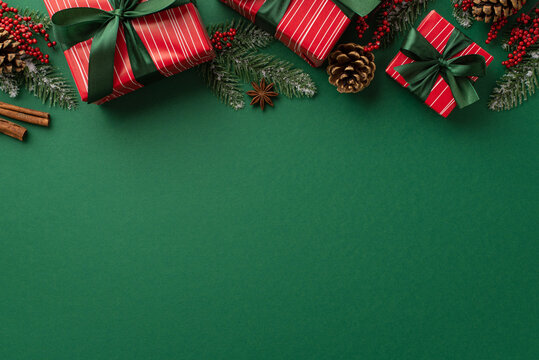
175	39
437	31
310	28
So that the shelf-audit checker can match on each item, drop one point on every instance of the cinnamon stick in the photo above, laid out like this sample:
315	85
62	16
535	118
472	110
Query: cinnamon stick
12	129
32	119
24	110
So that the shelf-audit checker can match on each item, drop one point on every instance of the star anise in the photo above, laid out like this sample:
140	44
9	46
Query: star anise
262	93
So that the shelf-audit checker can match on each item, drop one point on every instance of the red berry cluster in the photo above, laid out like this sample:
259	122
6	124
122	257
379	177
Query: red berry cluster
23	30
362	25
523	35
495	28
383	28
465	5
221	40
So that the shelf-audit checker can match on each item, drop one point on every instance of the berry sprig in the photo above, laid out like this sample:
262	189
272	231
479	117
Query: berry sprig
465	5
362	25
495	28
221	40
524	35
24	30
386	9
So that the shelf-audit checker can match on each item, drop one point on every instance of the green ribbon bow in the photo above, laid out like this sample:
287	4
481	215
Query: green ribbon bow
271	13
422	74
75	25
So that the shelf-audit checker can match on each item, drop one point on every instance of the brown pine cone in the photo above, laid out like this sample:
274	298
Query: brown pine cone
10	56
351	69
492	10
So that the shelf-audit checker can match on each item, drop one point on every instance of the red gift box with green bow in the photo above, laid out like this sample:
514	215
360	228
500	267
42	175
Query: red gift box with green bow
114	47
439	64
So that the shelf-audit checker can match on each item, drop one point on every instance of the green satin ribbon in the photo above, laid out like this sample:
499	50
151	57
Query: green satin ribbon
271	13
422	74
75	25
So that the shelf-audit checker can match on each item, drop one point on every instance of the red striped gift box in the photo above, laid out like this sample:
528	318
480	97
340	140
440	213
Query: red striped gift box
175	38
310	28
436	30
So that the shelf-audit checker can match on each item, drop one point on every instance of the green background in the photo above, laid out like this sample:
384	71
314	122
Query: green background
164	225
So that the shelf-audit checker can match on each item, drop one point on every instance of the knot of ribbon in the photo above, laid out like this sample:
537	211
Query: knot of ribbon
76	25
422	74
119	13
272	11
444	64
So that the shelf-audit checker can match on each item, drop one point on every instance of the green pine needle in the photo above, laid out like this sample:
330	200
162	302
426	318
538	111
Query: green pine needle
516	85
241	62
224	84
248	36
37	16
402	18
10	84
47	84
289	81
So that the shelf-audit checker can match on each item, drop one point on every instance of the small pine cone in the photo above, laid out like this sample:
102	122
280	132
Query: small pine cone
351	69
492	10
10	55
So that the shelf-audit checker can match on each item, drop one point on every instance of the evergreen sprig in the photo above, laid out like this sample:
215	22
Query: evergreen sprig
241	62
248	35
223	84
402	17
464	18
44	81
10	84
290	81
37	16
516	85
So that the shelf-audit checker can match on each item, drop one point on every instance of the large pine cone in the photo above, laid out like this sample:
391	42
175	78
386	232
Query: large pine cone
10	56
351	69
492	10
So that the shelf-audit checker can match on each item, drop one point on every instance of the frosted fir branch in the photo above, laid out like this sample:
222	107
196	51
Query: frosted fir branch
223	84
464	18
44	82
248	35
10	85
402	17
225	73
516	85
289	81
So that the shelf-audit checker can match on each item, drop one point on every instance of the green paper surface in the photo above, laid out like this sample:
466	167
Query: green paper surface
164	225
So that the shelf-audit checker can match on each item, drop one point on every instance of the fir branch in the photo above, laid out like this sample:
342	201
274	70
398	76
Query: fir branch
464	17
37	16
248	35
9	84
44	82
402	17
516	84
289	81
240	62
223	84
